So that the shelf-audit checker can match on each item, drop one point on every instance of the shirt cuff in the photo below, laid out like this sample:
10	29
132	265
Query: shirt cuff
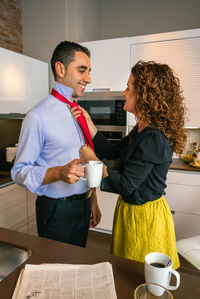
110	182
35	178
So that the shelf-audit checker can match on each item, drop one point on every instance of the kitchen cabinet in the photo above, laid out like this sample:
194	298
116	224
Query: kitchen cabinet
109	64
180	50
23	82
31	199
13	208
107	202
183	197
17	209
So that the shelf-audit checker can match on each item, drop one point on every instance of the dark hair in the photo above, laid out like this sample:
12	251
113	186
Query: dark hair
160	102
64	52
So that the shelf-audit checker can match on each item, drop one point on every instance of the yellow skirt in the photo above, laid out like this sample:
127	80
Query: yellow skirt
140	229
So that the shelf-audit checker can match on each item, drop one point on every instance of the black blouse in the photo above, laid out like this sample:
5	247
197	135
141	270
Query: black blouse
145	158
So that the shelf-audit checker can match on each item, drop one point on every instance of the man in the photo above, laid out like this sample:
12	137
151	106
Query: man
47	161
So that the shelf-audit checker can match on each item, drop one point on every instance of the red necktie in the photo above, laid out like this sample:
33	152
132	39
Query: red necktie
81	118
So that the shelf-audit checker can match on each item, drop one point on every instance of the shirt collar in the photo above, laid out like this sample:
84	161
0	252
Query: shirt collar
64	90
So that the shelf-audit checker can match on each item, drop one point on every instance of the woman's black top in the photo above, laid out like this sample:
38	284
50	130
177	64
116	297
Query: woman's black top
145	158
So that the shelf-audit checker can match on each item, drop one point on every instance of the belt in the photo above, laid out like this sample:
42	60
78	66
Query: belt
85	195
76	196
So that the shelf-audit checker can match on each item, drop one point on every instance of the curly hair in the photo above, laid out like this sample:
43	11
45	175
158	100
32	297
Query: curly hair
160	101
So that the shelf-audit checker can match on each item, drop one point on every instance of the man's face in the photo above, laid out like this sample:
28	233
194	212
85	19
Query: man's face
77	74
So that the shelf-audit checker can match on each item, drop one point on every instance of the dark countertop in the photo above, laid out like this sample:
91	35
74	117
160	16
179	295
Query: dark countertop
127	274
5	178
179	164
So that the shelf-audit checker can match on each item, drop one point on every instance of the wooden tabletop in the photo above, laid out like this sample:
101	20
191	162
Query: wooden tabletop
127	274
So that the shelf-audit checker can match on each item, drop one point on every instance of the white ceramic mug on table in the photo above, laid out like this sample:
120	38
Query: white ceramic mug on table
158	269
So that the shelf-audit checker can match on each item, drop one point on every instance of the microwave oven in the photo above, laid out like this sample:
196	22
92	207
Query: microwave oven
107	112
105	108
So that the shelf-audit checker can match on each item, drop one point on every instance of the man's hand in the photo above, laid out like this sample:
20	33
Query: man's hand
69	173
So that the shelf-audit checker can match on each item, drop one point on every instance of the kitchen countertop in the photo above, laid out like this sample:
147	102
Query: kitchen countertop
5	178
179	164
127	274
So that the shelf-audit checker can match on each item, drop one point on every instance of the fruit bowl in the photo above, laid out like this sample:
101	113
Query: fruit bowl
187	158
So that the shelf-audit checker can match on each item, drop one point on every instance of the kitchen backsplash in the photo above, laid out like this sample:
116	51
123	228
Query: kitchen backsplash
193	136
9	134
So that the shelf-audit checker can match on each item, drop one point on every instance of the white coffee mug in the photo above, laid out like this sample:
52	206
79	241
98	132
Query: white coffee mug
93	173
10	153
158	269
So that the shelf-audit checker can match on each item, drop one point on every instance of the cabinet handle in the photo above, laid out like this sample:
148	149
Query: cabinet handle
173	212
100	89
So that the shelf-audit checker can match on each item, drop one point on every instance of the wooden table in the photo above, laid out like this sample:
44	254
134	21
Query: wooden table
127	274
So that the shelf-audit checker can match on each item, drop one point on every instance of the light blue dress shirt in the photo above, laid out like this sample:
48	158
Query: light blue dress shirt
49	137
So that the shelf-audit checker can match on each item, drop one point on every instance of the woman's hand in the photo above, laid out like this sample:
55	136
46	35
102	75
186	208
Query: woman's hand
87	153
91	126
76	113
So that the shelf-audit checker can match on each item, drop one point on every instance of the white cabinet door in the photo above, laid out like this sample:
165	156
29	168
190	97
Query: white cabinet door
13	208
109	64
186	225
31	199
37	82
183	197
107	202
23	82
32	228
180	50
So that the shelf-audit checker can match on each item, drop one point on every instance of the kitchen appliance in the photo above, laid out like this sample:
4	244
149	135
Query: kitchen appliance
107	113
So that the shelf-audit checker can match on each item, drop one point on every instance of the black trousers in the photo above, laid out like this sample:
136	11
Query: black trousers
63	220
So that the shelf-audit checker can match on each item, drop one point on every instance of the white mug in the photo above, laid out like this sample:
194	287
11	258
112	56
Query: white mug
93	173
10	153
158	269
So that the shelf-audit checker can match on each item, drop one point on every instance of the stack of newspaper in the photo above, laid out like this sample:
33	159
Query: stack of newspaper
64	281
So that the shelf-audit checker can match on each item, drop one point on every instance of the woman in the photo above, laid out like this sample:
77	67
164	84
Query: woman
143	222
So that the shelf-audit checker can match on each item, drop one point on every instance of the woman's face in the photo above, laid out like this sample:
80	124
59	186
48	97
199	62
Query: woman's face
130	96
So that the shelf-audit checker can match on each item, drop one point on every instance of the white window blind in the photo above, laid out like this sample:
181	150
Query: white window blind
183	56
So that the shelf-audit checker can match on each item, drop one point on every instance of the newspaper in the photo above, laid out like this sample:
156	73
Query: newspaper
66	281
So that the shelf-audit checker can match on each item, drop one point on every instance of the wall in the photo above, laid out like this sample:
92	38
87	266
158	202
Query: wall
9	134
47	22
141	17
86	20
10	25
43	27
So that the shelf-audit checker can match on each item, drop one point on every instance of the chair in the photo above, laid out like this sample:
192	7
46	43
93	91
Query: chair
189	248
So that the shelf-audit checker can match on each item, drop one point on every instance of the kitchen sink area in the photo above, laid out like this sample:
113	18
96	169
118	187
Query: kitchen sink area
11	257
